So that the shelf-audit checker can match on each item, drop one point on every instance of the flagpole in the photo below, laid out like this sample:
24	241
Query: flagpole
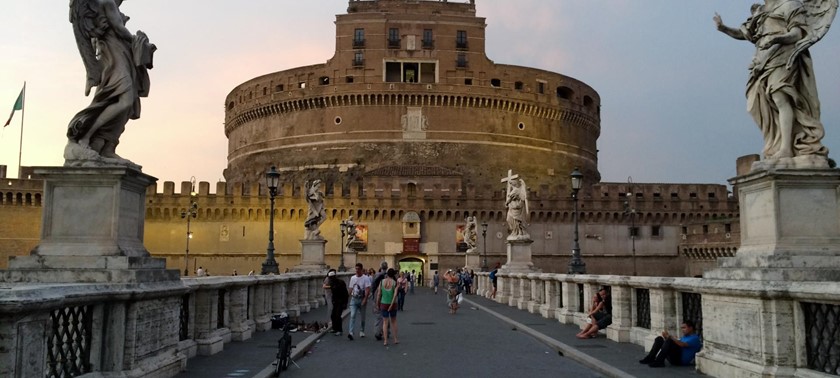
22	116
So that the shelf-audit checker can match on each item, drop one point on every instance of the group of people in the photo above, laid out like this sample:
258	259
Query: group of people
380	287
386	289
678	351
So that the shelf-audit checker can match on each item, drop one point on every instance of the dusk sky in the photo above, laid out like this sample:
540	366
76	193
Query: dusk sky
671	86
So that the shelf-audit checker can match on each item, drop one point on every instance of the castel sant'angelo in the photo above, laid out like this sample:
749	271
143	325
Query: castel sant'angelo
411	127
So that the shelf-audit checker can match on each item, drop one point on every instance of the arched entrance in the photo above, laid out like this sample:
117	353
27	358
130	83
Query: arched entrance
416	264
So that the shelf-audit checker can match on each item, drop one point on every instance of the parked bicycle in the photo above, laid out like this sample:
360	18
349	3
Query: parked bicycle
284	345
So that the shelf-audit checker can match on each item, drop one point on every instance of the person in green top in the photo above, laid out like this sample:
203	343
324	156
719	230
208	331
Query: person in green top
386	299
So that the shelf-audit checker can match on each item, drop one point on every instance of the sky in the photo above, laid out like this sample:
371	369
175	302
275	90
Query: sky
671	86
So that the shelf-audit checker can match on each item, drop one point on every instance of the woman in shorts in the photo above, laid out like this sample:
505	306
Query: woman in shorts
386	299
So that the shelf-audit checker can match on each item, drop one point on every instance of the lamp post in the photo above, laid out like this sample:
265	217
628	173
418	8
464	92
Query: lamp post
576	266
272	178
343	227
629	210
189	214
484	266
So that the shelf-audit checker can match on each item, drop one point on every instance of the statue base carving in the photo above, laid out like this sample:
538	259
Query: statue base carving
790	230
76	155
311	256
796	162
91	229
519	257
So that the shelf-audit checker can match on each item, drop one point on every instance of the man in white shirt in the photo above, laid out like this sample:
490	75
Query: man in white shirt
359	290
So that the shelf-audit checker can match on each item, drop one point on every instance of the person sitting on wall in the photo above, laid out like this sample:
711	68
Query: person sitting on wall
601	316
679	352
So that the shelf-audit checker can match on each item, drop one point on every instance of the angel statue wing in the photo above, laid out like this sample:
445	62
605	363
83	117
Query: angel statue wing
820	15
83	16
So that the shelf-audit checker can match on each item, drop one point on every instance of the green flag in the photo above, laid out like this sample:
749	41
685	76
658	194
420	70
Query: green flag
18	106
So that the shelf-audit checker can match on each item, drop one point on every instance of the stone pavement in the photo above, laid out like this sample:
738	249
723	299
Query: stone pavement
484	339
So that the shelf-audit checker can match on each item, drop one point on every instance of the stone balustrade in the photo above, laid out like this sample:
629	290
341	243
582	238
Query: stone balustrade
140	329
783	328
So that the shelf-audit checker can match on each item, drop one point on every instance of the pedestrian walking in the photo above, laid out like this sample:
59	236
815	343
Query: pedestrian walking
328	292
411	279
436	281
452	290
377	312
385	300
402	286
359	291
339	301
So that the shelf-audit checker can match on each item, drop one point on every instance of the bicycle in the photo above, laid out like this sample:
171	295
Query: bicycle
284	348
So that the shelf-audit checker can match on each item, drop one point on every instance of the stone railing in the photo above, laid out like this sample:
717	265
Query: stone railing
140	329
784	328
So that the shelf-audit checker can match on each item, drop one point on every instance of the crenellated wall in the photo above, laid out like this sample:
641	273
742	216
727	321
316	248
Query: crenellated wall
230	230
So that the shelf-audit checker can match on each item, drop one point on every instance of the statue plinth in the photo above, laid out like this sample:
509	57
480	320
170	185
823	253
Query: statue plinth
790	229
519	257
311	256
91	229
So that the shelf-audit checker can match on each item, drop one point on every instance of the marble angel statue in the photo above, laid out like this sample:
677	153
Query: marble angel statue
516	202
317	214
471	233
781	89
116	63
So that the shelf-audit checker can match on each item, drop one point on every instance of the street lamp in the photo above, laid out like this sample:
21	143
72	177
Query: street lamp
484	266
632	212
189	214
272	178
576	266
343	227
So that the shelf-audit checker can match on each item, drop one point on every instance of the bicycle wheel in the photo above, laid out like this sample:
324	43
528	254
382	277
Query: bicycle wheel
285	352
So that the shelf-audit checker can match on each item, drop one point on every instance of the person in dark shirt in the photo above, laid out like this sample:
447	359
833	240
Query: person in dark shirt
602	315
340	298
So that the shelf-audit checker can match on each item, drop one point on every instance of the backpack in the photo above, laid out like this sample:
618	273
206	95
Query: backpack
493	275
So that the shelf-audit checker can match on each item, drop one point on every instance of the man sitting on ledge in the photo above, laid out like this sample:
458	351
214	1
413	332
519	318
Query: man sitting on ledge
679	352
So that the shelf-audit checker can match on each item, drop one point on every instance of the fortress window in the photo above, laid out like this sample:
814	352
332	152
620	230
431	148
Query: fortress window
468	81
410	72
705	229
278	88
656	231
302	85
541	86
393	38
675	196
462	60
359	59
359	39
565	93
428	39
727	227
348	79
634	232
518	85
711	195
461	40
230	106
265	91
692	195
495	83
324	80
587	101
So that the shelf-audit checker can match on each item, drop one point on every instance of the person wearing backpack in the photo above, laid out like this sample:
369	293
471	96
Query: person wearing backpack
359	292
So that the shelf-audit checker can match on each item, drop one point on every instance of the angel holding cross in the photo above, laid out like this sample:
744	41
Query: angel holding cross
516	202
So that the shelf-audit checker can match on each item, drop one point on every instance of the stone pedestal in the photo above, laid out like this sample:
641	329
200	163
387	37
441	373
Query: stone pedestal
790	231
790	227
91	230
472	260
519	257
312	256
